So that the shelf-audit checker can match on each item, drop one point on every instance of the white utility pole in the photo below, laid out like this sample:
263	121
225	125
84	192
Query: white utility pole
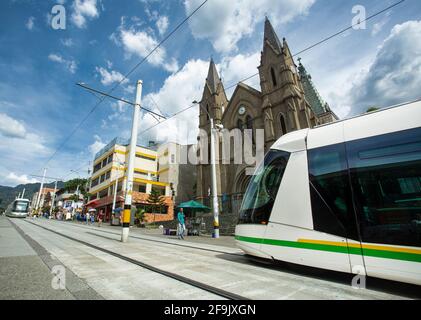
115	193
54	199
213	133
131	165
23	193
214	186
40	191
120	164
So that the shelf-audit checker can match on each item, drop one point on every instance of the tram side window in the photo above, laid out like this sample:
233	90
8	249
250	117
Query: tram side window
261	194
386	179
330	191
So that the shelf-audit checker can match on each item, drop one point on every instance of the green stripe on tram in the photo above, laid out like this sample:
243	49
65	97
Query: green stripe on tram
406	256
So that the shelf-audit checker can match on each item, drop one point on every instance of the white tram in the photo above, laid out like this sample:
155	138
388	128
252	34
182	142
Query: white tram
19	208
344	196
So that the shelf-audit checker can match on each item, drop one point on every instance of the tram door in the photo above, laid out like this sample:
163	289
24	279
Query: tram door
332	202
385	172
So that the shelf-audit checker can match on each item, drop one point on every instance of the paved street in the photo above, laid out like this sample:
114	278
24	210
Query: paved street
28	253
25	270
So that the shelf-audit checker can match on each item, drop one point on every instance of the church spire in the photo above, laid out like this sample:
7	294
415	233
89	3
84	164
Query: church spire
271	37
287	53
213	79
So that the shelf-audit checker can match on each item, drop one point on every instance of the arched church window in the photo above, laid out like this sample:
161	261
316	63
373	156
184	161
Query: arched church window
207	109
240	124
272	72
249	123
283	124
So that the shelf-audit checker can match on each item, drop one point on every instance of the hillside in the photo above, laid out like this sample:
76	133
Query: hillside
8	194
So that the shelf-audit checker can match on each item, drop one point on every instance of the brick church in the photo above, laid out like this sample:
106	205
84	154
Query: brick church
287	101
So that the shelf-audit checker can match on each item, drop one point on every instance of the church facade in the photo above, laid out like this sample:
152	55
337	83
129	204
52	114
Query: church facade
287	101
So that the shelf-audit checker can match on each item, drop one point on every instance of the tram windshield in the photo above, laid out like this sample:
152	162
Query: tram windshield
261	193
20	206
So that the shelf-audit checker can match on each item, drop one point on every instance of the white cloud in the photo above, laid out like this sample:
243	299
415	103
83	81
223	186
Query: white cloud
162	24
238	67
11	128
110	77
378	26
15	179
225	23
141	43
182	88
177	93
21	152
130	89
392	77
71	65
67	42
97	145
83	10
30	23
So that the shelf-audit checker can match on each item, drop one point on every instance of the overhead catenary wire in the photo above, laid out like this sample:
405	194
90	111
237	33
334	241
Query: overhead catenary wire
125	77
327	38
330	37
294	55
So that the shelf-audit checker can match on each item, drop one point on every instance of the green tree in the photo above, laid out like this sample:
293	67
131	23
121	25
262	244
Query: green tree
371	109
74	198
157	201
71	186
140	216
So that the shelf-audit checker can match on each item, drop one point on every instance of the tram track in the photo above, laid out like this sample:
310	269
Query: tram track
157	241
219	292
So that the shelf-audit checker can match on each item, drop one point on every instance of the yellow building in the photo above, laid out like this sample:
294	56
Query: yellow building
109	167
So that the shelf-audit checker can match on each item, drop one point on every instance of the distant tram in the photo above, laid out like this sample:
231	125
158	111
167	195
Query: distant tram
19	208
345	196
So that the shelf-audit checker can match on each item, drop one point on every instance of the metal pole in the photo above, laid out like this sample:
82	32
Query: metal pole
214	187
54	199
130	167
40	191
115	193
23	193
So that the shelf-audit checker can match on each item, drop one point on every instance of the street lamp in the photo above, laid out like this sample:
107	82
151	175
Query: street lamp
213	173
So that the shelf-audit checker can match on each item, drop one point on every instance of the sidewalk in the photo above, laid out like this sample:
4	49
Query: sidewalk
224	241
26	270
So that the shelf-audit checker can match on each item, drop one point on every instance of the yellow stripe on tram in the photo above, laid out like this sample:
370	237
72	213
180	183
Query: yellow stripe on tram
365	246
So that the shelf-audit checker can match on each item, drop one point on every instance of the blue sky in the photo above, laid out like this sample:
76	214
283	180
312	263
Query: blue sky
39	66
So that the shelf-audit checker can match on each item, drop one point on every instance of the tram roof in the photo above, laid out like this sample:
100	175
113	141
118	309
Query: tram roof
395	118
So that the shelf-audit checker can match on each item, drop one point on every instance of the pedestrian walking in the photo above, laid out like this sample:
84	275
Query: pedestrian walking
92	219
100	217
181	224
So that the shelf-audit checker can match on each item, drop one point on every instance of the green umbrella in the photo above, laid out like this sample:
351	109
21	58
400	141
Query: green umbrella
194	205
